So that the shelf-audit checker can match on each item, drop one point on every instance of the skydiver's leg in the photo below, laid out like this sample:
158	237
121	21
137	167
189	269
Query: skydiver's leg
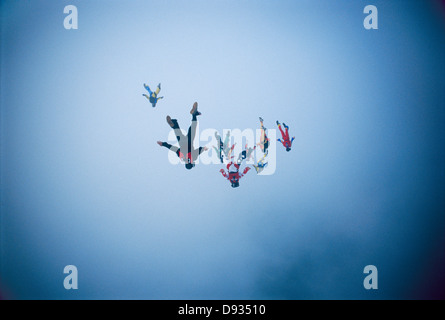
226	142
281	130
219	144
190	136
261	122
148	89
173	123
217	137
194	112
262	138
263	131
179	135
158	89
192	130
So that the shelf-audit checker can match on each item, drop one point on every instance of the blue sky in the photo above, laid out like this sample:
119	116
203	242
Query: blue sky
84	183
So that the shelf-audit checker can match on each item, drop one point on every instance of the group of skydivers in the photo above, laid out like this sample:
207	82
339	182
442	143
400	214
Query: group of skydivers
187	153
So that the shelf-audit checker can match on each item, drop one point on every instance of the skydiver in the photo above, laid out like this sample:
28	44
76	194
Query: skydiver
233	174
264	140
246	154
224	148
287	143
153	97
185	152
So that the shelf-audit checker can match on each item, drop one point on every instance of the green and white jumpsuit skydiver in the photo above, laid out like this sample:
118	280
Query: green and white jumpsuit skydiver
153	97
224	148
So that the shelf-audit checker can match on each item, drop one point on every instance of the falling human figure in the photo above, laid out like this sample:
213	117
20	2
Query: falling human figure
287	143
247	154
153	97
233	174
185	152
220	147
264	140
227	148
224	148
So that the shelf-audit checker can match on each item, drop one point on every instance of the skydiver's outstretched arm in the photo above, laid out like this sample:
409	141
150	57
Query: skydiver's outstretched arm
246	169
168	146
282	142
202	149
225	175
230	151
